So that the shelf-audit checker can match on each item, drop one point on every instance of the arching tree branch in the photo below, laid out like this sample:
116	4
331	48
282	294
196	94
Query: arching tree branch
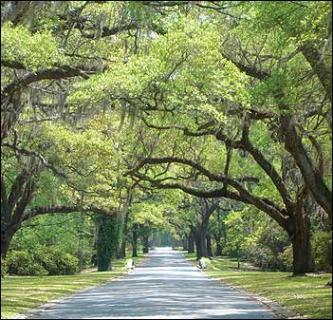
262	204
35	211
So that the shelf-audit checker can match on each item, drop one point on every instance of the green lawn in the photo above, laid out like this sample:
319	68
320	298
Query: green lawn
18	293
306	295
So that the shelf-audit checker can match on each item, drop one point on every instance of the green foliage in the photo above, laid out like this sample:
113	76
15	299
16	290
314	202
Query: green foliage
174	71
46	261
71	233
287	259
322	250
19	45
23	264
149	212
236	234
57	262
257	239
108	238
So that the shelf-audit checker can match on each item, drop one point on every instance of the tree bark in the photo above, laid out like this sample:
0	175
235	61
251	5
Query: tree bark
218	234
288	128
302	250
135	240
218	251
6	237
198	248
125	224
200	240
209	245
104	243
124	236
311	175
190	247
185	243
145	243
316	61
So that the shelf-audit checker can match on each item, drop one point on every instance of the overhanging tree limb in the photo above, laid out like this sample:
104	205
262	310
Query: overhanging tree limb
36	155
35	211
265	165
316	61
45	74
210	175
294	145
262	204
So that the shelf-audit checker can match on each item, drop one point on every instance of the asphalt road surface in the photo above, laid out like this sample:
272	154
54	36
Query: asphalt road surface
165	286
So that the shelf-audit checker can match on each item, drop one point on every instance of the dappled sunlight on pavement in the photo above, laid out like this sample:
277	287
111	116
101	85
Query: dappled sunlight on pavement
165	286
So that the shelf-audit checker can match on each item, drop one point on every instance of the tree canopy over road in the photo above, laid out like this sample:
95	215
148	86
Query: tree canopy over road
208	120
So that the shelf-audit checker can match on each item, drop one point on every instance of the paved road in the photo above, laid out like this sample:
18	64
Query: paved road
166	286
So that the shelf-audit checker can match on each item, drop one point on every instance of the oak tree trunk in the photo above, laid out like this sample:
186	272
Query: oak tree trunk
122	253
200	240
209	245
190	246
145	243
218	251
135	240
185	243
198	246
6	237
302	250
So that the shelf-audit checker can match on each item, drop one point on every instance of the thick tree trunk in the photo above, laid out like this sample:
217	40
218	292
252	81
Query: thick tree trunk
5	241
203	234
218	251
200	240
135	240
145	230
190	247
125	223
198	246
209	245
218	235
302	250
145	243
104	243
13	206
122	253
204	252
185	243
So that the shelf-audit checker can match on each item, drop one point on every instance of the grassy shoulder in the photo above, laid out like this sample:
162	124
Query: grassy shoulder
20	293
306	295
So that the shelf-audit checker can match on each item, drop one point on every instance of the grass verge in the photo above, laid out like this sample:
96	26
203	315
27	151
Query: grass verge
305	295
20	293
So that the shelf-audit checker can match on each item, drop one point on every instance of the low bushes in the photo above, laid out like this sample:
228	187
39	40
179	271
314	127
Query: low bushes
266	259
45	261
23	264
57	262
322	250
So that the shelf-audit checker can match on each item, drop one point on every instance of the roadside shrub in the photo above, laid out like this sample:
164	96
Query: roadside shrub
322	250
67	264
258	256
45	261
266	259
286	258
57	262
3	268
22	263
45	256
